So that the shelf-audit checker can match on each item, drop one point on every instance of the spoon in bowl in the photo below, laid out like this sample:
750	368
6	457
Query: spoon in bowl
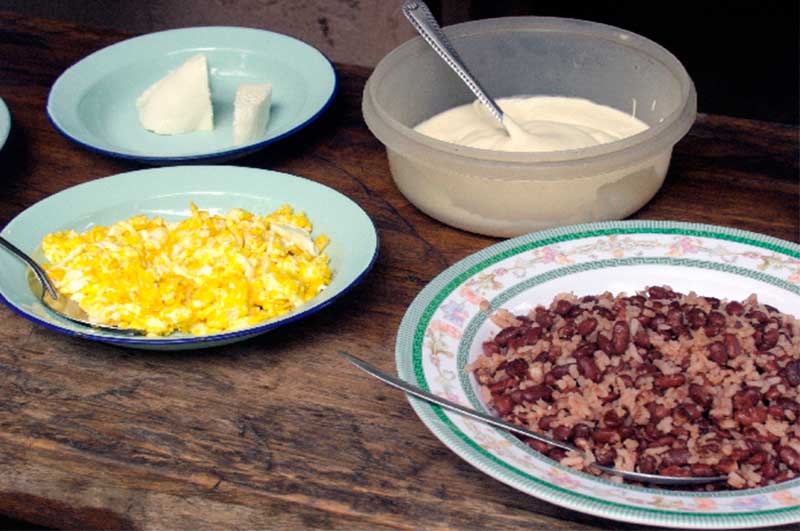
654	479
55	300
424	22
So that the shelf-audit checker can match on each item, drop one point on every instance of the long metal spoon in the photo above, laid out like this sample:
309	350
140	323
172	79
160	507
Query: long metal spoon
494	421
55	300
423	21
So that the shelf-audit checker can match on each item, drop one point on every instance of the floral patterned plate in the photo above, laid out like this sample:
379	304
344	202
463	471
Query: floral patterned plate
445	326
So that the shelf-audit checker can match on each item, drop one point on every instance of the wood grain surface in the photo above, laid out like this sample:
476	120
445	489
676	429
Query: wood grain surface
277	432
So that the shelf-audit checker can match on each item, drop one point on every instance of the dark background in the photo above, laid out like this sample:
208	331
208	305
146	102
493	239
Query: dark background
742	56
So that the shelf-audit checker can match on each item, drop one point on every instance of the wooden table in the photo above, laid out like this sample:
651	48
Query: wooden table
278	432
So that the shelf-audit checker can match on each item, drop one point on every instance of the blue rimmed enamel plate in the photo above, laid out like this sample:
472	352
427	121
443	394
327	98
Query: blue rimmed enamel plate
167	192
444	328
94	101
5	123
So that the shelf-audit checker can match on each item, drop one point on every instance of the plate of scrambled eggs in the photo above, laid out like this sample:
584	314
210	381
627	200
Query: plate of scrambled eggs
191	256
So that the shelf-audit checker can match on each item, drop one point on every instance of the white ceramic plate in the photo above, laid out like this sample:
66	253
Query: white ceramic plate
94	101
444	328
167	192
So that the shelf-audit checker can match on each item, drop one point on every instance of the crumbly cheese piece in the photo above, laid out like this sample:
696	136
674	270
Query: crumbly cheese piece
251	112
180	102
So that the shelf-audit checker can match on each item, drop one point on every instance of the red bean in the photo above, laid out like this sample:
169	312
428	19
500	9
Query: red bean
666	440
657	292
563	307
532	335
605	435
701	470
791	373
726	465
566	331
641	339
490	348
697	318
712	331
718	353
734	308
750	416
507	333
604	344
746	398
503	404
710	448
773	393
516	342
776	412
582	431
679	456
587	349
626	432
657	411
647	464
675	317
563	433
671	380
588	369
539	446
769	339
788	403
611	419
556	454
732	346
769	469
790	457
605	455
716	319
537	392
758	458
620	337
517	367
700	395
543	318
587	326
555	374
502	385
545	423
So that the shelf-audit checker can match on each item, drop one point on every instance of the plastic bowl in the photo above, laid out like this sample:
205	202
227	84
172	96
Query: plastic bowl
507	194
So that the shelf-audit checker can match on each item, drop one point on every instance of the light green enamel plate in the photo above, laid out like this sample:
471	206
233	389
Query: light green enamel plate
167	192
5	123
94	102
444	328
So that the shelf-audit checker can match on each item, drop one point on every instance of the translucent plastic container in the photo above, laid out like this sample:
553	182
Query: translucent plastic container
507	194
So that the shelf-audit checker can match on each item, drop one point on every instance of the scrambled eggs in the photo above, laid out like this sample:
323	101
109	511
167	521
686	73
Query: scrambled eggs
203	275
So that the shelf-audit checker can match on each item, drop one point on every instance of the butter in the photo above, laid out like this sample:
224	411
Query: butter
251	112
180	102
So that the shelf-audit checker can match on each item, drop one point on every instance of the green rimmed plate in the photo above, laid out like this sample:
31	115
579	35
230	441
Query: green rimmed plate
167	192
93	103
444	327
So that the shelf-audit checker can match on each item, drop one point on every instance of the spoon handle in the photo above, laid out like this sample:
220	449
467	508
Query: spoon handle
411	389
41	276
397	383
423	21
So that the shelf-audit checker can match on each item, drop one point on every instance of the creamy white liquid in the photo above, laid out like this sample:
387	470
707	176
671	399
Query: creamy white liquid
538	124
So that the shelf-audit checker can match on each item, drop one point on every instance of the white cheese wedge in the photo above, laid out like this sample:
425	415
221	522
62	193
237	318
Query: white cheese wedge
251	112
180	102
295	235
